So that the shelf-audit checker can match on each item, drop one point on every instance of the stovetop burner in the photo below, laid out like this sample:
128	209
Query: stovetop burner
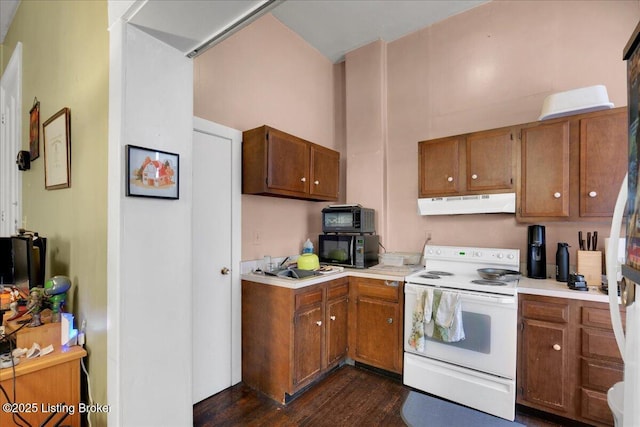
489	282
428	275
440	273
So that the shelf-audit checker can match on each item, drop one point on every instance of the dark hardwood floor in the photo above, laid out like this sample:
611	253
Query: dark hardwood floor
348	396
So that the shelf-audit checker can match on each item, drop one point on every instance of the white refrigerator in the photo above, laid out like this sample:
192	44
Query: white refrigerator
624	397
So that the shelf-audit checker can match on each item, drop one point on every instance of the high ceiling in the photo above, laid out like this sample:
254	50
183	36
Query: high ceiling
333	27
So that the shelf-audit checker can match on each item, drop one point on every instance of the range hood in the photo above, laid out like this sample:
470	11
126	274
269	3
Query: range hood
468	204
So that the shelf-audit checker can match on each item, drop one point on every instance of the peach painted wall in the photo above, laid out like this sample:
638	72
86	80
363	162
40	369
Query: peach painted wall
490	67
266	74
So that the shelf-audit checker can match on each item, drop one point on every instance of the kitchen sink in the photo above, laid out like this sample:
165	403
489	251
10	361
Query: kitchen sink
292	273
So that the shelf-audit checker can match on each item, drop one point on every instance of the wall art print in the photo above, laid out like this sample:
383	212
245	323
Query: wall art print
152	173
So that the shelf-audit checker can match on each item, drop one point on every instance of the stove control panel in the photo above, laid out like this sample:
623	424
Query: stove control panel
472	254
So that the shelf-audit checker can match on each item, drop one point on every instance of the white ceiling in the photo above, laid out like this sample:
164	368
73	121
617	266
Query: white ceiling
333	27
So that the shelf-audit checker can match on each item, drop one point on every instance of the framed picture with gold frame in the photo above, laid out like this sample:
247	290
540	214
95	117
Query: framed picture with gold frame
34	130
56	133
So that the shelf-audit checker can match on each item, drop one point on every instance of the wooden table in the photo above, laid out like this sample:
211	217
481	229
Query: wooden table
42	385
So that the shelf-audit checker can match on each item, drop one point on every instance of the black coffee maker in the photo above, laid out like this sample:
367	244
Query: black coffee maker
536	253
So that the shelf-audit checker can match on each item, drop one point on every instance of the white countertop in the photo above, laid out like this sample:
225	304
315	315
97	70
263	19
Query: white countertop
314	280
552	288
544	287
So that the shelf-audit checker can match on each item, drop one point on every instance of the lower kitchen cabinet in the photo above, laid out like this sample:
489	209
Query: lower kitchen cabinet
291	337
567	358
376	327
544	375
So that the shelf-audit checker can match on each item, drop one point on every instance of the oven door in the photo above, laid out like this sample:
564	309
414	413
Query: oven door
490	327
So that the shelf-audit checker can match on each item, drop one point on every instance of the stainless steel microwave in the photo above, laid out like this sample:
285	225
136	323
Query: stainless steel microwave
348	219
349	250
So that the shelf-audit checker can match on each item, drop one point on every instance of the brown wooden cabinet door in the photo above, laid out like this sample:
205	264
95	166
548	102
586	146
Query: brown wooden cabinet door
490	160
337	329
439	166
377	335
325	173
288	162
545	170
603	162
544	376
308	330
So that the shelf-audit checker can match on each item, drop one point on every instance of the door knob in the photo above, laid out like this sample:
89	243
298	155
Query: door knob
224	271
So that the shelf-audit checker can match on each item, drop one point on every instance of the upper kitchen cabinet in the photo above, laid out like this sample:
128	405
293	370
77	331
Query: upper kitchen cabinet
479	162
545	170
603	161
278	164
572	168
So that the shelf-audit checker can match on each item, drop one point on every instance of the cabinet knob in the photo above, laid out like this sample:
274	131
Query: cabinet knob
557	347
592	194
450	179
303	179
474	176
224	271
332	317
557	195
319	323
316	182
390	320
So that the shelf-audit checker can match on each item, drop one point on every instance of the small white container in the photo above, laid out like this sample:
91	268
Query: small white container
392	259
398	259
582	100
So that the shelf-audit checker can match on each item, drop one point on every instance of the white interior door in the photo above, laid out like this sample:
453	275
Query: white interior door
10	144
216	258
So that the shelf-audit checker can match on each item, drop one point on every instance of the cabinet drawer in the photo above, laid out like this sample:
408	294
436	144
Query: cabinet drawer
546	311
598	317
600	376
383	289
600	344
594	406
337	291
304	299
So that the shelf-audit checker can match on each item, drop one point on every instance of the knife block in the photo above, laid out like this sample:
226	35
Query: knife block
590	266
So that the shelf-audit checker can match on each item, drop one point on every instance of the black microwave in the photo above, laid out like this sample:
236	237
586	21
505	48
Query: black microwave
348	219
349	250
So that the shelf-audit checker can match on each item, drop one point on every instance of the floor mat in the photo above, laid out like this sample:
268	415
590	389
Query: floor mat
421	410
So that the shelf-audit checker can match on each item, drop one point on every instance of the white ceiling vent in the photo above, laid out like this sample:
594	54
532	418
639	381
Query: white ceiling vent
575	101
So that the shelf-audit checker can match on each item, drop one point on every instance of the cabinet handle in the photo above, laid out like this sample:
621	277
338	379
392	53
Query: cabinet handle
557	195
316	182
394	283
390	320
319	323
303	179
450	179
557	347
592	194
332	317
474	176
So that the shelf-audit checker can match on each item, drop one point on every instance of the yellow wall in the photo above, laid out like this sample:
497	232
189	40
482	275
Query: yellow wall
65	64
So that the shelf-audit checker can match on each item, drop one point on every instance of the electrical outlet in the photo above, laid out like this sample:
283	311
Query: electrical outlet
257	240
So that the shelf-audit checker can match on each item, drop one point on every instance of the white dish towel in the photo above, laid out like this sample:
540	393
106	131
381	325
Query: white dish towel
448	317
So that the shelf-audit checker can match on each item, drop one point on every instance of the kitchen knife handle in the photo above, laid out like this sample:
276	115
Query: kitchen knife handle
595	241
588	240
580	241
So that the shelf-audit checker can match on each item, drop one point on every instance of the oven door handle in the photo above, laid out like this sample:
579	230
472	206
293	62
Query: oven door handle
495	299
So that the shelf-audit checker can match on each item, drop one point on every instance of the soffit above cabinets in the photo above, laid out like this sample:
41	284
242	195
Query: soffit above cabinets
332	27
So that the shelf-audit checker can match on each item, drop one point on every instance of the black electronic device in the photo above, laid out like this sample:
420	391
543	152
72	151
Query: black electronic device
536	252
6	261
29	259
577	282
